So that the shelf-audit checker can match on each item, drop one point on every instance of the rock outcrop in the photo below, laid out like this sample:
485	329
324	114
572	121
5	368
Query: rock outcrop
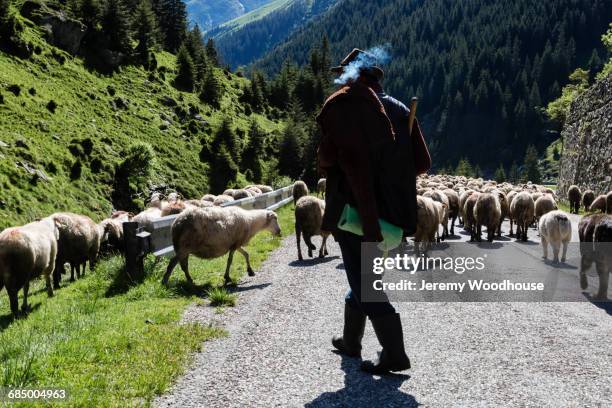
587	141
62	31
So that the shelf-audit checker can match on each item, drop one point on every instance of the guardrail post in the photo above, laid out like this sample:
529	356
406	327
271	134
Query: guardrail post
134	262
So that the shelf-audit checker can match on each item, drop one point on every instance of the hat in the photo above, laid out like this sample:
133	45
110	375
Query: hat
370	63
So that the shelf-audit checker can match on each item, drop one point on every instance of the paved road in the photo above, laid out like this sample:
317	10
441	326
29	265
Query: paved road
278	351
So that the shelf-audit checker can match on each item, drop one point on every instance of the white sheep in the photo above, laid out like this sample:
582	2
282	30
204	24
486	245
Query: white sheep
79	242
25	253
321	186
214	231
555	229
308	220
300	189
145	218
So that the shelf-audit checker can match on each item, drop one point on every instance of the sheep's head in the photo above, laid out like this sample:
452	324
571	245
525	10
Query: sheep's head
272	223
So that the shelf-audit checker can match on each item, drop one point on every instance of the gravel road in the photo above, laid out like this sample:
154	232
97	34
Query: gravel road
278	352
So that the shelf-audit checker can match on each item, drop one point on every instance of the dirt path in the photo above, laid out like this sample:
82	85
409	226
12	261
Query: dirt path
278	352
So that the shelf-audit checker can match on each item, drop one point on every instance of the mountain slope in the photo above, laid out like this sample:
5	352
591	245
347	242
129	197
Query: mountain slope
482	69
63	157
247	38
211	13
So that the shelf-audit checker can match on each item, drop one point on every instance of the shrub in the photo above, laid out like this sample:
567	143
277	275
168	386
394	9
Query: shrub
76	170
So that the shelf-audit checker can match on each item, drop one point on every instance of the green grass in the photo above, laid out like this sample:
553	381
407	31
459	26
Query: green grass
251	16
112	342
221	297
50	142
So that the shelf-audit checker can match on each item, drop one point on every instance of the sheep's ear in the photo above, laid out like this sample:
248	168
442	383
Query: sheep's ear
271	216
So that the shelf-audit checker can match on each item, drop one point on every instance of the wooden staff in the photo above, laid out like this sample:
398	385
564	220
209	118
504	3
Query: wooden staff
413	107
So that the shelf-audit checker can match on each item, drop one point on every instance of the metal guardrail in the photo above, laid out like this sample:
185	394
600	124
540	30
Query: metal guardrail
158	241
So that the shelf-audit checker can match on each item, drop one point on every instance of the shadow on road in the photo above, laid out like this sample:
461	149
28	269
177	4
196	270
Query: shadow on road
245	288
363	390
313	261
605	305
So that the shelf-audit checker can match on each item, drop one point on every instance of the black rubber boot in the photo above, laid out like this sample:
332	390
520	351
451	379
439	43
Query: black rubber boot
388	329
354	325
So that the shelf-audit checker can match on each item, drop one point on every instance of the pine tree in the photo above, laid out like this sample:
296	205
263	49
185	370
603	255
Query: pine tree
89	12
477	172
116	27
145	28
210	90
211	52
185	72
195	46
173	23
514	174
500	174
226	136
464	168
253	154
223	170
290	154
531	170
256	92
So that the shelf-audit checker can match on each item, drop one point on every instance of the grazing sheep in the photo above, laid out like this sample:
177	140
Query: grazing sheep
209	197
255	191
308	219
595	232
222	199
599	204
321	186
145	218
214	231
242	193
504	206
176	207
229	192
574	196
300	189
587	199
263	188
155	201
462	199
113	238
555	229
543	205
79	242
510	197
427	224
25	253
469	221
453	207
487	212
439	196
199	203
522	210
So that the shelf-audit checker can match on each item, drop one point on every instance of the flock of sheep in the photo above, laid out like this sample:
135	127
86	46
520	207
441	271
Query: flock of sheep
207	230
203	228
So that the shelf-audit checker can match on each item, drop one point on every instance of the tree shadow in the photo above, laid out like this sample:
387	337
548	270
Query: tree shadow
123	282
314	261
364	390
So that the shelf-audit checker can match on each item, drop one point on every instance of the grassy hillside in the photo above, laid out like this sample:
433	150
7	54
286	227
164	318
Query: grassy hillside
251	16
95	119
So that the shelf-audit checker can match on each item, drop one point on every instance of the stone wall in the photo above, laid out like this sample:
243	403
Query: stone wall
586	159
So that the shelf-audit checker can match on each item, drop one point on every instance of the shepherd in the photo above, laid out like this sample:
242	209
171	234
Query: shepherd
370	156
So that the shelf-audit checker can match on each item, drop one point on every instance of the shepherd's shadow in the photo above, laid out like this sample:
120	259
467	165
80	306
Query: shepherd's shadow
313	261
603	304
364	390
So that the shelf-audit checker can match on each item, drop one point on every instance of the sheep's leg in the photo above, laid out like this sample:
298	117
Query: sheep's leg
298	235
323	249
229	265
72	272
185	267
24	305
83	267
12	293
556	248
563	256
169	270
453	226
248	262
585	265
544	248
57	274
511	224
604	274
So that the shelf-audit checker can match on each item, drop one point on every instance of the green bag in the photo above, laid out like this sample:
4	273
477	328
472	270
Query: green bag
350	222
